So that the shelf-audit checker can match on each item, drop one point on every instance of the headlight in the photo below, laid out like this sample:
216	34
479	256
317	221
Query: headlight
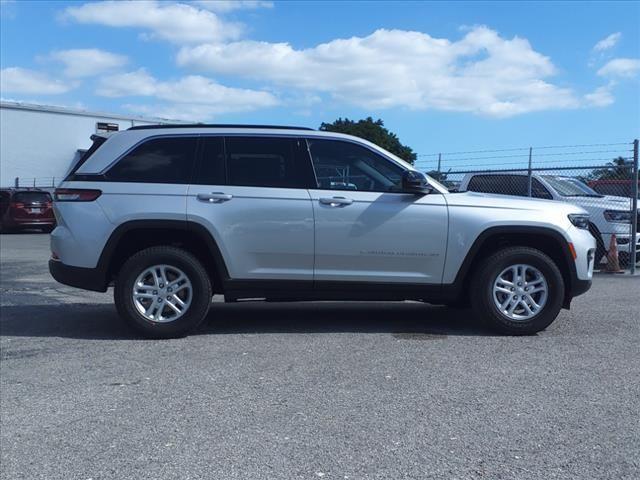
580	220
617	216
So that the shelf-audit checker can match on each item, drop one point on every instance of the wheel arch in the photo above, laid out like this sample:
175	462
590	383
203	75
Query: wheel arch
547	240
135	235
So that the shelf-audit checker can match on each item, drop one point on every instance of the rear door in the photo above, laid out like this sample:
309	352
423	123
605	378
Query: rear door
251	193
367	230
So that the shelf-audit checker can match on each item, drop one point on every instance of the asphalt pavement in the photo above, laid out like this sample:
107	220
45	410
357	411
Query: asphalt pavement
312	390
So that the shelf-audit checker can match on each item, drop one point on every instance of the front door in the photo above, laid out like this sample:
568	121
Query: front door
367	230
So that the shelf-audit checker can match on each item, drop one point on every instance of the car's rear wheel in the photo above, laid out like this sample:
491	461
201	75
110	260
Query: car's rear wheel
163	292
518	290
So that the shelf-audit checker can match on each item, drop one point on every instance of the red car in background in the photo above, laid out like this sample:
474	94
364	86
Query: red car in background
26	208
616	187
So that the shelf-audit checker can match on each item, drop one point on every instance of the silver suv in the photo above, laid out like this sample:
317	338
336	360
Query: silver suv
171	215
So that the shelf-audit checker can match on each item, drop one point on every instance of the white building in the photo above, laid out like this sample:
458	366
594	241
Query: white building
39	143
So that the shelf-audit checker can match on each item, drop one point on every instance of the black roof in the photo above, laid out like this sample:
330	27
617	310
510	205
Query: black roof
217	125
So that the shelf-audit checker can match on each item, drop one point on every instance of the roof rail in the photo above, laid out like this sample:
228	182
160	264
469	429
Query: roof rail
218	125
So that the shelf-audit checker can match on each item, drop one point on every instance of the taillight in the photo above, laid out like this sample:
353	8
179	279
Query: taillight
76	195
17	205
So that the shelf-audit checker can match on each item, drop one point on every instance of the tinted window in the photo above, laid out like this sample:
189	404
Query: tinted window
160	160
211	170
539	191
266	162
501	184
347	166
31	197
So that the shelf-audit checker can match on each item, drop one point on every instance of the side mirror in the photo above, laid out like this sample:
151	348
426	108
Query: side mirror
415	182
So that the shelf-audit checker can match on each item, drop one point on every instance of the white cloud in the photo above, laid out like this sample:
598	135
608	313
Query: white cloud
22	80
481	73
620	68
223	6
192	97
86	62
175	22
600	97
134	83
608	42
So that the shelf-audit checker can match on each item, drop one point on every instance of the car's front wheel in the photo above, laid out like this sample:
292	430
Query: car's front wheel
518	290
163	292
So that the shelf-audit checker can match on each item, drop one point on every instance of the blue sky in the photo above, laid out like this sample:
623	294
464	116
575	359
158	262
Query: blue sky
444	76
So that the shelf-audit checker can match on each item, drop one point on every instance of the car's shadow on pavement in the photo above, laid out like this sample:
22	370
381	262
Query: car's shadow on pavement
100	321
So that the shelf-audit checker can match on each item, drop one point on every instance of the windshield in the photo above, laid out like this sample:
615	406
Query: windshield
583	186
570	187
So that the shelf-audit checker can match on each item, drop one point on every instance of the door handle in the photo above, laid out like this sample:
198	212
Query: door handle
214	197
336	201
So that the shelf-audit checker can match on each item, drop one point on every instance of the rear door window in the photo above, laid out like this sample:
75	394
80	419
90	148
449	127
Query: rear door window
158	160
267	162
211	170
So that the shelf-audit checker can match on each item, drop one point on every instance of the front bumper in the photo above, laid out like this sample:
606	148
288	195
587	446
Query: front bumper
79	277
580	286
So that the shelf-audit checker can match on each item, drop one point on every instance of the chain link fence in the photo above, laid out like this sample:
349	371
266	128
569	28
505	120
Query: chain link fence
36	182
601	178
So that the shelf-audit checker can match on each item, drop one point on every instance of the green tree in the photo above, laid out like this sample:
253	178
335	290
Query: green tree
375	132
618	168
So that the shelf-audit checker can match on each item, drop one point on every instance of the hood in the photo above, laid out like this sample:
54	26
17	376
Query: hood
488	200
607	202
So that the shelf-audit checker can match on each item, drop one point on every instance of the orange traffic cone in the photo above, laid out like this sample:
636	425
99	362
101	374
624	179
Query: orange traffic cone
613	264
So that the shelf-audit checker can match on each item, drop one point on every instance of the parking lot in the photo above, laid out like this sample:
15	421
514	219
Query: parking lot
312	390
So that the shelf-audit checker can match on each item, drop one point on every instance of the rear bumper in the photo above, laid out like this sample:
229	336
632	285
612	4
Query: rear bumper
85	278
30	222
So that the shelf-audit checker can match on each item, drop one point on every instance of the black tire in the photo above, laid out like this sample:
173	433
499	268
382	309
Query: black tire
485	275
175	257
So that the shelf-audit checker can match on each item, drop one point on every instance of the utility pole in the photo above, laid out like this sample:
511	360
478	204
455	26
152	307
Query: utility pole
529	173
439	162
634	210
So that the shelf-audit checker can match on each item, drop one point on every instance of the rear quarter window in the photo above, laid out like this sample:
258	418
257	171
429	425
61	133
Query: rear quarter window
158	160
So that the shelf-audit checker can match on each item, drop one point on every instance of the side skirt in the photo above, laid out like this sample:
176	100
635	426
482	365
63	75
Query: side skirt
287	290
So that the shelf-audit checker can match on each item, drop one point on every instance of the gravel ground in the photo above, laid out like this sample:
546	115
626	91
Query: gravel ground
312	390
